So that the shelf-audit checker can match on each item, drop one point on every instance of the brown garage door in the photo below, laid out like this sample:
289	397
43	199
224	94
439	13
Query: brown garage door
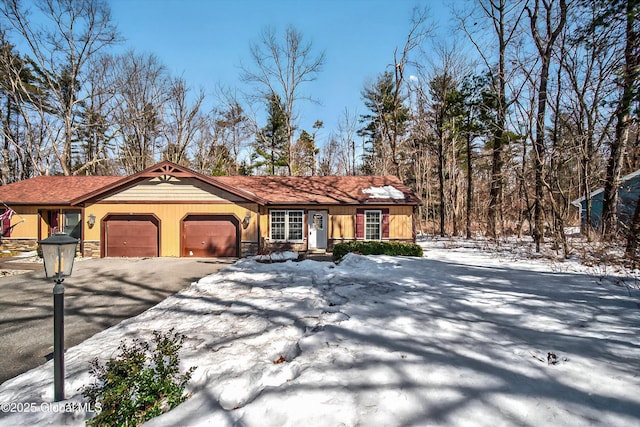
210	236
131	236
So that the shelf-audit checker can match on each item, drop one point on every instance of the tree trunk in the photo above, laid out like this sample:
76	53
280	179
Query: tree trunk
623	119
634	234
497	163
494	213
441	166
545	48
469	187
5	151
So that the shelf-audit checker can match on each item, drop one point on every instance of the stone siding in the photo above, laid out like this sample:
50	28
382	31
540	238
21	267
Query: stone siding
248	249
91	249
19	245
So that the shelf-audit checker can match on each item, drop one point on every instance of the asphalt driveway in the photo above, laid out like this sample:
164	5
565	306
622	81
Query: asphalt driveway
99	294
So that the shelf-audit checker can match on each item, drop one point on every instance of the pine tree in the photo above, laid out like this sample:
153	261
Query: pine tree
271	147
21	86
305	152
386	122
471	93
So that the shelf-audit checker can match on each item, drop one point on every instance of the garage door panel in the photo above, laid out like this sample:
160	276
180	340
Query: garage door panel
209	238
131	238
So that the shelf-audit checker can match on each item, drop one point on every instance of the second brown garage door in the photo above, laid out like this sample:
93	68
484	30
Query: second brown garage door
131	236
210	236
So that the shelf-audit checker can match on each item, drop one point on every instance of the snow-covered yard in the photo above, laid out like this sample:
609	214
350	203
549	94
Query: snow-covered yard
459	337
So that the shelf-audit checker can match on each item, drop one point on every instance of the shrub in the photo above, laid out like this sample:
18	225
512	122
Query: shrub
376	248
143	381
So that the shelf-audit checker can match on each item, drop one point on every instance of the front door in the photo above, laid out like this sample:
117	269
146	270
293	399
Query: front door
317	221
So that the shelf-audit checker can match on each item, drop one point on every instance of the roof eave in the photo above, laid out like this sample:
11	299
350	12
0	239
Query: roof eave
345	203
165	168
39	203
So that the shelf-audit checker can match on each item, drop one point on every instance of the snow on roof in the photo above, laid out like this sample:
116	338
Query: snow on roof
386	192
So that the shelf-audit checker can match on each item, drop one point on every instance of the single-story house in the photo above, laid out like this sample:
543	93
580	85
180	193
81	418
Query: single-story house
628	193
170	210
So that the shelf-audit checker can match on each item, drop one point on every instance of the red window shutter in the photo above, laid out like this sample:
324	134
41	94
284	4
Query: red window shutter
359	223
385	223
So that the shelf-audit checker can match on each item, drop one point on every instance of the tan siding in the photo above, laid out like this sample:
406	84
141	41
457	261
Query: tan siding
173	189
27	229
342	220
401	222
170	216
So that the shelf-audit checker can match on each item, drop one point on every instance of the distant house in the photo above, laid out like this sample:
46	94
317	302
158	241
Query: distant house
170	210
628	193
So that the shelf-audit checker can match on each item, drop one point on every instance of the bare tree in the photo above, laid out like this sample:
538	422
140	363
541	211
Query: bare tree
281	67
589	67
420	145
184	120
234	123
212	151
555	15
445	119
504	20
74	32
346	141
419	30
96	133
328	164
626	13
142	84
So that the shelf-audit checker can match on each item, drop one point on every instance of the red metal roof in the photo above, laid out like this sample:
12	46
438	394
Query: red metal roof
52	190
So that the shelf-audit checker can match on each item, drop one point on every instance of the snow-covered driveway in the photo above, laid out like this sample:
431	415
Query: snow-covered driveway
455	338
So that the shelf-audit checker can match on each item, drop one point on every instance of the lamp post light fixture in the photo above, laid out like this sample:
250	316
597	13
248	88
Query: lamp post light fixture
58	252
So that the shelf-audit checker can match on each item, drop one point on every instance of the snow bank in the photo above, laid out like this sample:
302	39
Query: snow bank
454	339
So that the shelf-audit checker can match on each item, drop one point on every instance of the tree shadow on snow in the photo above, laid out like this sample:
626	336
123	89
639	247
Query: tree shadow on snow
459	339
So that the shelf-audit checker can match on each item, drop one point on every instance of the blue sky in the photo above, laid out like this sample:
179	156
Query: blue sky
205	41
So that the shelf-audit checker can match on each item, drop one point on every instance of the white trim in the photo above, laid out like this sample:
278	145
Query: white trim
286	225
317	238
624	179
364	235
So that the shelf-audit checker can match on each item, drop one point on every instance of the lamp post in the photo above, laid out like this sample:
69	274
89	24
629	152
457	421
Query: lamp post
58	252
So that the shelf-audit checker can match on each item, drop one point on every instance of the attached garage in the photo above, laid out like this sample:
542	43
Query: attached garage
131	236
210	236
169	210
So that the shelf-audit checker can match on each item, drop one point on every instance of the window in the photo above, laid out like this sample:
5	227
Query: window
66	221
296	219
286	225
71	223
372	225
278	225
318	222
